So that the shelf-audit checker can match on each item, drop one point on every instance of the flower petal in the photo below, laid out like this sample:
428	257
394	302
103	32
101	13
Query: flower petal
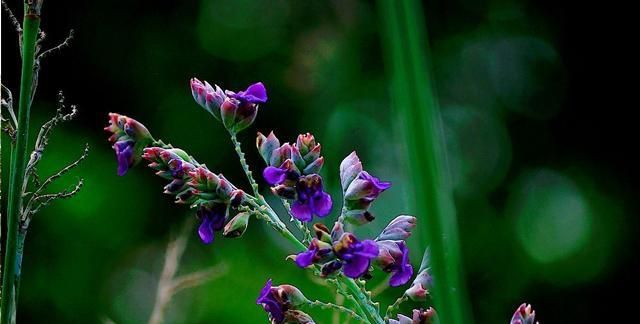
206	231
273	175
322	204
301	211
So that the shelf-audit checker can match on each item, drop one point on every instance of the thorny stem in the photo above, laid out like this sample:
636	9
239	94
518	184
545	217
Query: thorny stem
339	308
304	230
17	177
394	307
359	298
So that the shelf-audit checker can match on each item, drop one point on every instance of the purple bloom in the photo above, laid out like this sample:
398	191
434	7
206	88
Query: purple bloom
317	251
356	255
360	190
280	302
524	315
311	199
270	304
124	155
129	138
402	270
212	217
394	258
255	93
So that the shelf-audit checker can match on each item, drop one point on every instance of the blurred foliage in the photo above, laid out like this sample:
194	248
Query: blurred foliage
543	217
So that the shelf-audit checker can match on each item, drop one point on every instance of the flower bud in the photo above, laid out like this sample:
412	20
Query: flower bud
298	317
398	229
266	145
239	110
129	137
237	225
393	257
206	96
349	170
305	143
289	295
423	282
424	316
322	232
524	315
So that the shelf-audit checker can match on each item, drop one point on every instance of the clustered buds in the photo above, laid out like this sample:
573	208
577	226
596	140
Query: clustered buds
212	195
237	111
292	171
419	316
360	190
280	303
129	137
524	315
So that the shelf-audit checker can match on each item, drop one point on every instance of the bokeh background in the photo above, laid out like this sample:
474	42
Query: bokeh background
540	148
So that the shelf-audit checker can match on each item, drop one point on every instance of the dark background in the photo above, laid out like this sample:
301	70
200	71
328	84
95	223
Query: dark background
541	137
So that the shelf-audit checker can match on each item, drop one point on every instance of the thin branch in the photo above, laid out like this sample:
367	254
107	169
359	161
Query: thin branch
48	198
8	103
59	47
12	18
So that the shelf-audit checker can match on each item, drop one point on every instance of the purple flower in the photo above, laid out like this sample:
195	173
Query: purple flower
255	93
317	252
394	258
271	304
280	302
524	315
360	189
124	155
237	111
311	199
356	255
129	138
212	217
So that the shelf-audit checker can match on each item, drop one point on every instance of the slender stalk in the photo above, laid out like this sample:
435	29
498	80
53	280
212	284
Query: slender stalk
414	100
394	307
13	252
362	299
342	309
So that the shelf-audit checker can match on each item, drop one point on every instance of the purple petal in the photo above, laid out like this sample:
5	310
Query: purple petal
356	267
124	154
273	175
369	249
301	211
305	259
381	185
206	231
256	93
265	291
401	277
322	204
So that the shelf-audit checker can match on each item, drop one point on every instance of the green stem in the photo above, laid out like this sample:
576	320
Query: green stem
362	299
394	307
414	100
17	177
339	308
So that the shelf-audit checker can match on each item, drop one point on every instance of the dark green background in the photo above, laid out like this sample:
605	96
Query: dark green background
539	138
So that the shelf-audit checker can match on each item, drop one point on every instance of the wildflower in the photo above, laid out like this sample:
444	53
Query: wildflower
237	111
398	229
129	138
278	301
292	172
212	217
394	258
346	253
360	189
524	315
356	255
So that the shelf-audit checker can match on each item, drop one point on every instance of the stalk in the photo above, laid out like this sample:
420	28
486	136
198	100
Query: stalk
414	101
14	246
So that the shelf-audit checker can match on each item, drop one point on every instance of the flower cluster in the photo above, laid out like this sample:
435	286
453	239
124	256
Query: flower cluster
212	195
236	110
292	172
524	315
338	250
419	316
129	138
359	189
280	303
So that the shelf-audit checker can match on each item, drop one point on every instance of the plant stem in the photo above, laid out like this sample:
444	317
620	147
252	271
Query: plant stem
414	100
339	308
12	260
352	286
394	307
